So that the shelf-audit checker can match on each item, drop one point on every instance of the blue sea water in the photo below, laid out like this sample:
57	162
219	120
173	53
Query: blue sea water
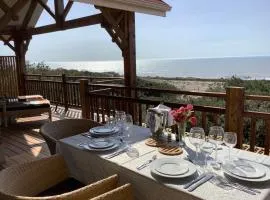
243	67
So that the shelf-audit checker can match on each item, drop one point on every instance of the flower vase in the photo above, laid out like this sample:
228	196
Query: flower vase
181	133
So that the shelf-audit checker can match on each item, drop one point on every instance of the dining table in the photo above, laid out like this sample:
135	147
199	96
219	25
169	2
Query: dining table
89	166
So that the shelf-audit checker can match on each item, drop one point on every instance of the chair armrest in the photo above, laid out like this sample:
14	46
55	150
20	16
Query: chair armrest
29	179
121	193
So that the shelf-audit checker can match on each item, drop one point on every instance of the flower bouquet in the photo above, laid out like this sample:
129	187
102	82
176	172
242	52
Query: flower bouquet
181	116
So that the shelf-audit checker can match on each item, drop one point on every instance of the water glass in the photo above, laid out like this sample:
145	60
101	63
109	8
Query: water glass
196	138
216	135
207	148
120	119
230	139
128	126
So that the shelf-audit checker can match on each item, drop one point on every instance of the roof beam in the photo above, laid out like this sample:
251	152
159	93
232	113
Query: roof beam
29	14
6	42
46	7
67	8
5	8
12	11
59	12
74	23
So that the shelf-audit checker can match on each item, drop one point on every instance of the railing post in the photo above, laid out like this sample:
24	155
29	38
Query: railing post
84	98
64	86
235	97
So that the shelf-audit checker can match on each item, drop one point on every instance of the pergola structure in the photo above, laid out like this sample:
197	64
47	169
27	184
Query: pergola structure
18	19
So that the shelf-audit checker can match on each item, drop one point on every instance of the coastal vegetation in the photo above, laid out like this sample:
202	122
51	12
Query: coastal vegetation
258	87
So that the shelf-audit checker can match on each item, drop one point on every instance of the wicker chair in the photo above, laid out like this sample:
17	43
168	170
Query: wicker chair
121	193
57	130
26	181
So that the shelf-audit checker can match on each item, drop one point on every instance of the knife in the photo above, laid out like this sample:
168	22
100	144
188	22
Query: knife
194	181
200	182
116	153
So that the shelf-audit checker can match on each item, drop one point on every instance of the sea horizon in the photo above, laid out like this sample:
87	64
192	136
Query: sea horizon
249	67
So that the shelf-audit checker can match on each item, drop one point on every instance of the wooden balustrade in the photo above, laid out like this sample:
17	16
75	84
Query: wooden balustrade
100	100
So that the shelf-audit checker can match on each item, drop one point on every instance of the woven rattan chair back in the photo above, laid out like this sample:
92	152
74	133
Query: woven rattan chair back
57	130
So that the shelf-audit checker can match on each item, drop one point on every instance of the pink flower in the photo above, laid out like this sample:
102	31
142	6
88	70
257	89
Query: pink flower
189	107
181	109
193	121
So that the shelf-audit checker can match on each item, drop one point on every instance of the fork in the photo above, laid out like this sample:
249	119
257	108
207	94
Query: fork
147	163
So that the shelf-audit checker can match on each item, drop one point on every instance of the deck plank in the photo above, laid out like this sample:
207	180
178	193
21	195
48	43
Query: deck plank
22	142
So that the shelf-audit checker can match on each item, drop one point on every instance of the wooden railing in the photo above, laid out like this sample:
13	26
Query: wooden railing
98	101
61	89
8	76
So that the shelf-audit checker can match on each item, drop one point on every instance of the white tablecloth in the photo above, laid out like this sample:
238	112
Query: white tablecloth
89	166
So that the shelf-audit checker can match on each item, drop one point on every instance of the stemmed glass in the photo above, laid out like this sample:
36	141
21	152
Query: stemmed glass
230	139
216	135
196	138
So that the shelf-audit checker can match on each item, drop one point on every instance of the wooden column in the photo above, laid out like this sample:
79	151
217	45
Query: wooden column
129	53
64	87
84	98
20	52
235	97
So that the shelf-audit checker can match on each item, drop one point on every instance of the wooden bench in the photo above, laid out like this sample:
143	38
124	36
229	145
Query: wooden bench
24	108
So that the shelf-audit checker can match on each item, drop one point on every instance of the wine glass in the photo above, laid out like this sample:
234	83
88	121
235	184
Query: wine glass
207	148
196	138
216	135
230	139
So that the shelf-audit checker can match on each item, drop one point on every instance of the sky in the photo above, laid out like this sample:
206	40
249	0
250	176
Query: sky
192	29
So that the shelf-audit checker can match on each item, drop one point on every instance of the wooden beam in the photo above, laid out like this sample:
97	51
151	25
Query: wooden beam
20	61
115	25
12	11
75	23
6	42
130	52
5	8
59	12
29	14
46	7
67	8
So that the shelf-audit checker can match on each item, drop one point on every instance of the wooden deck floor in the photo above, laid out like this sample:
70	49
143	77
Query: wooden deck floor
22	142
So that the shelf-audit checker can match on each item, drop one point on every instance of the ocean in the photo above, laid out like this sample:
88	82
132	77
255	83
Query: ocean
243	67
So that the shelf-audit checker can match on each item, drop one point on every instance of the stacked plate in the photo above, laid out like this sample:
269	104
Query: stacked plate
102	144
172	168
247	170
103	131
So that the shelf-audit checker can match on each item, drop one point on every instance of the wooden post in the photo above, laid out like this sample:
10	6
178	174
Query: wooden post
64	86
267	138
84	98
129	52
235	97
20	52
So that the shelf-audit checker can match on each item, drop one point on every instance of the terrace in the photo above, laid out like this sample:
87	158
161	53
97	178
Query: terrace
97	98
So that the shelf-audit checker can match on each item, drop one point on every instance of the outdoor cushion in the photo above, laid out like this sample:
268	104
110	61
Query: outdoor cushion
15	106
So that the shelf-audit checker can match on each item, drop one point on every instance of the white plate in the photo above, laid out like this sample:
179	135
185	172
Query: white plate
155	168
87	147
101	143
245	169
266	177
101	131
172	168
